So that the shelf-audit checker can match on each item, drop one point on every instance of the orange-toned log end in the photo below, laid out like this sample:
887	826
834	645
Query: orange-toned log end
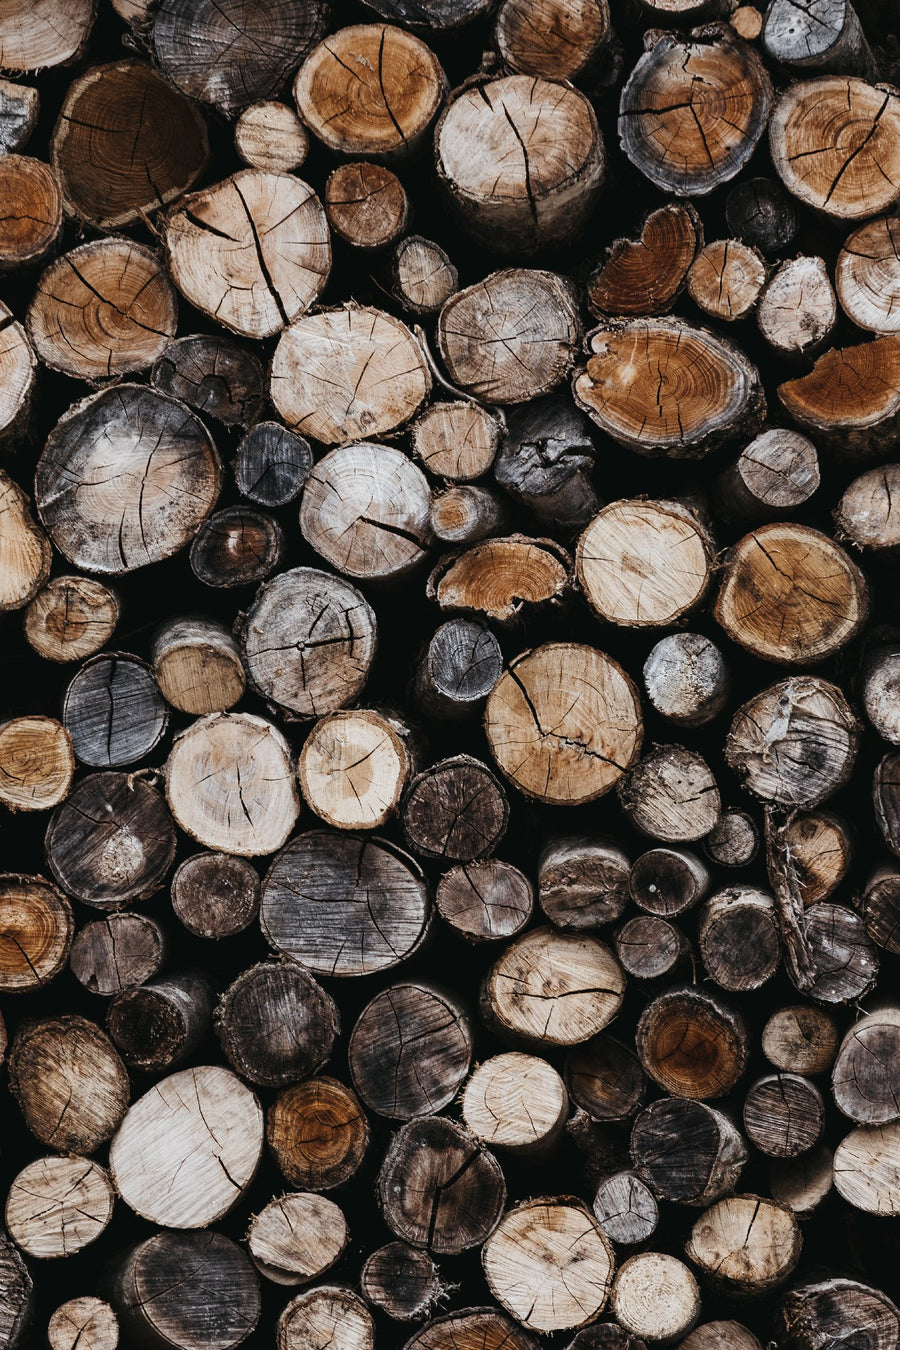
851	397
644	276
35	932
692	1045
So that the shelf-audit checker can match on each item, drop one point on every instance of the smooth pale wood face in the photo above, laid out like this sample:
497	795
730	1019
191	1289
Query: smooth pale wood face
297	1238
556	987
549	1264
563	723
867	1168
369	89
655	1295
849	387
514	1101
644	275
353	767
56	1206
270	136
798	308
43	33
553	38
867	276
836	144
16	368
642	563
35	932
746	1239
24	548
500	576
425	276
187	1149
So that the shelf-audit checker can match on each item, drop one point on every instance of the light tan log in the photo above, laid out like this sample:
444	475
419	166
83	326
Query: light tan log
726	279
69	1082
563	723
17	371
821	850
502	578
270	136
555	988
671	795
327	1315
721	1335
655	1296
45	34
464	514
36	763
819	35
370	89
85	1323
19	107
342	374
746	1242
798	309
71	618
867	1168
485	900
36	927
32	207
57	1206
188	1149
24	548
197	665
516	1102
865	515
230	784
366	204
353	768
456	440
867	275
644	276
549	1264
423	277
297	1238
801	1039
865	1079
558	39
511	337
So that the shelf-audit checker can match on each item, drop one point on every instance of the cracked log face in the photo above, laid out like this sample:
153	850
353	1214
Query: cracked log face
835	143
125	144
236	547
798	309
269	135
709	95
485	900
36	927
31	205
213	375
664	387
252	251
851	398
318	1133
521	160
672	795
276	1024
655	1295
353	768
71	618
36	763
297	1238
564	723
454	810
867	276
516	1102
726	279
791	595
746	1242
127	477
57	1206
401	1282
692	1045
328	1315
644	276
366	204
69	1083
409	1051
557	39
17	370
25	553
501	578
370	89
43	33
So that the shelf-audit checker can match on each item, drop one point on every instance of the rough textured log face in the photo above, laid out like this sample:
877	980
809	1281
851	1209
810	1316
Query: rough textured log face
36	763
867	276
409	1052
126	143
664	387
71	1086
57	1206
747	1241
553	745
835	142
687	1152
71	618
559	988
30	194
605	1078
165	480
366	204
328	1315
837	1310
35	932
118	952
276	1024
253	252
486	900
49	35
17	367
691	1045
269	135
850	397
456	811
113	711
213	375
726	279
710	94
645	275
501	577
550	38
24	548
671	795
473	1329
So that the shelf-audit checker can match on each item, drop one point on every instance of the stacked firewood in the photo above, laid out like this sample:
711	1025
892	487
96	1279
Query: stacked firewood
450	782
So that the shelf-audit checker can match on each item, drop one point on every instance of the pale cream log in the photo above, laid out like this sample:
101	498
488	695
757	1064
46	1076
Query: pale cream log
563	722
867	1168
187	1150
555	988
197	665
329	1315
726	279
230	784
36	763
656	1297
71	618
821	852
866	515
747	1243
253	252
44	33
297	1238
69	1082
721	1335
24	548
56	1206
671	794
817	35
502	578
17	370
625	1208
867	275
516	1102
270	136
801	1039
549	1264
341	374
798	310
353	768
85	1323
865	1079
643	563
456	440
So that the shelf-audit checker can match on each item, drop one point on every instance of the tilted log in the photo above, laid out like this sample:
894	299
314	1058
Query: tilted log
161	1023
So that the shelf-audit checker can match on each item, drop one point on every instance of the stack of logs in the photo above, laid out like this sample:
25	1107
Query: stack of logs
450	782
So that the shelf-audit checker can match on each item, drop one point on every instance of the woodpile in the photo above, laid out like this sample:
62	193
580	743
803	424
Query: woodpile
450	742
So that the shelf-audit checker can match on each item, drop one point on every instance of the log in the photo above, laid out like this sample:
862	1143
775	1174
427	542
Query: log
439	1188
879	685
366	510
686	679
864	515
655	1296
344	906
436	19
726	279
19	106
455	810
803	1183
604	1078
270	136
843	958
401	1282
190	1291
502	578
626	1209
276	1024
818	35
867	275
162	1023
795	743
582	882
32	207
772	476
464	514
47	35
70	618
330	1314
797	310
650	948
370	90
784	1115
739	939
366	204
167	479
734	841
410	1050
746	1242
57	1206
224	53
864	1079
497	153
36	929
215	895
187	1150
117	952
24	548
835	1308
238	546
691	1044
318	1133
724	1335
667	881
113	711
297	1238
820	851
549	1264
879	905
671	795
422	276
197	666
456	440
36	763
457	669
271	464
563	723
308	641
125	144
86	1323
517	1103
112	842
472	1329
253	252
511	337
343	374
663	387
106	308
354	767
553	988
687	1152
545	462
762	214
803	1039
485	901
709	92
848	399
559	41
17	1302
70	1084
215	376
644	276
834	144
643	564
867	1168
17	366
